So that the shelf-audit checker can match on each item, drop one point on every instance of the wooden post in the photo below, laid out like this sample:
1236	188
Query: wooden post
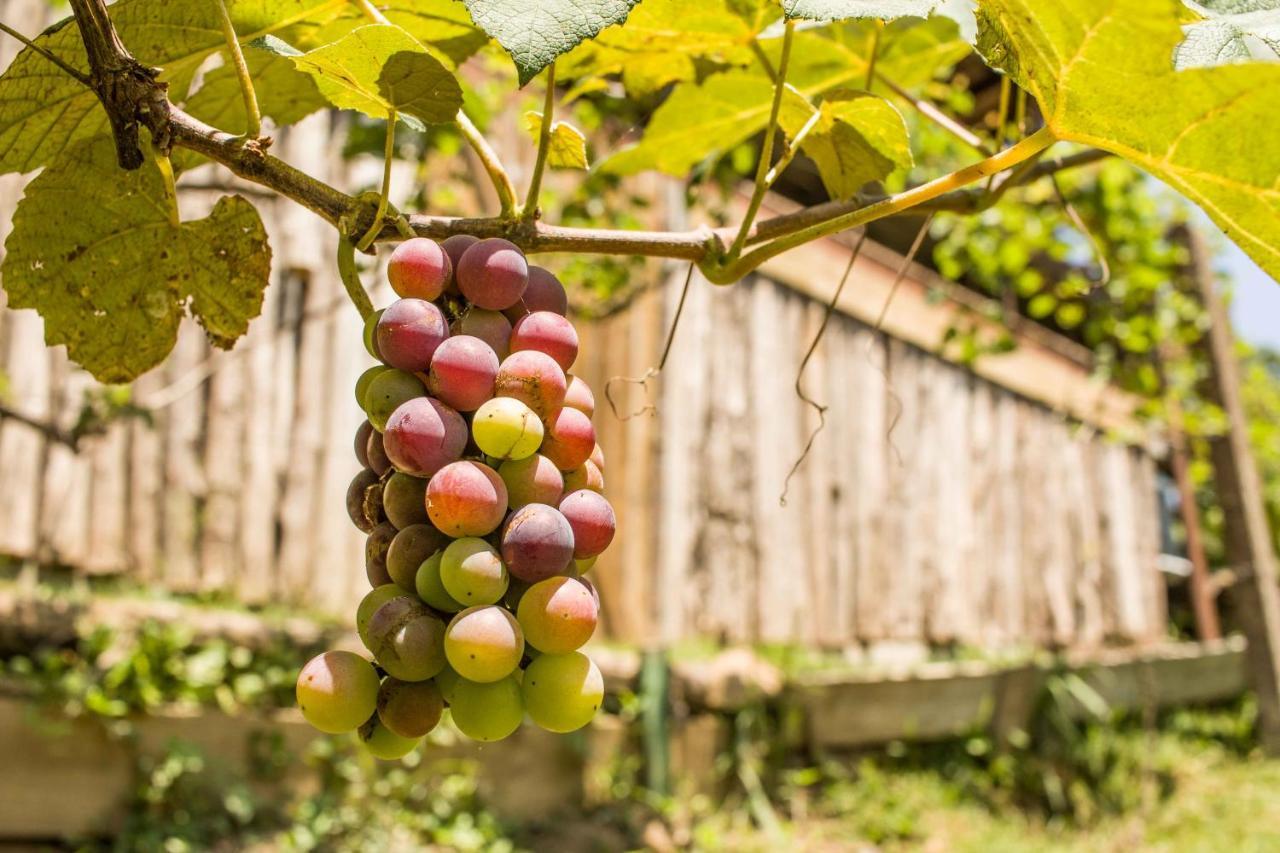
1246	539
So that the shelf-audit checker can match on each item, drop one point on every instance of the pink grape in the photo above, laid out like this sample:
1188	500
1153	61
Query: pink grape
585	476
570	439
337	691
487	712
562	693
462	372
557	615
407	639
484	643
387	392
355	499
383	743
489	326
537	542
375	554
597	456
407	551
454	247
545	331
409	709
423	435
578	396
404	500
409	332
419	268
376	451
591	517
532	480
534	379
492	274
544	293
466	499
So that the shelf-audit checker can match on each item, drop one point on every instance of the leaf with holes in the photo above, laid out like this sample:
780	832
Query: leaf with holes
1230	31
1095	66
95	251
567	148
379	68
855	137
535	32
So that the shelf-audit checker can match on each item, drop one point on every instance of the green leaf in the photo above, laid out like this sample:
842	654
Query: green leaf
1232	31
379	68
857	137
442	24
43	111
535	32
284	93
842	10
568	147
1096	65
94	250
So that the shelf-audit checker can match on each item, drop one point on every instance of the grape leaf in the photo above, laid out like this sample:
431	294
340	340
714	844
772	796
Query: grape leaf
535	32
443	24
378	68
664	40
841	10
567	148
284	93
1095	67
1232	31
94	251
43	110
857	137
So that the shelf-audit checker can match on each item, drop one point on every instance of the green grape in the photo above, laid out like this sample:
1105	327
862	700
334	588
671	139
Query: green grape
484	643
472	572
407	639
362	383
447	681
557	615
404	500
374	599
562	692
383	743
409	708
431	590
386	392
337	691
506	428
371	333
489	711
410	547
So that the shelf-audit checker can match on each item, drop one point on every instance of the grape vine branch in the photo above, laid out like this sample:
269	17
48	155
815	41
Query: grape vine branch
133	98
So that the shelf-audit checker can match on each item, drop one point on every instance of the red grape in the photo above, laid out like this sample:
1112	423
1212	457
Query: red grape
578	396
569	440
531	480
409	332
466	499
591	517
454	247
546	332
537	542
423	435
462	372
492	274
587	476
489	326
419	268
534	379
545	292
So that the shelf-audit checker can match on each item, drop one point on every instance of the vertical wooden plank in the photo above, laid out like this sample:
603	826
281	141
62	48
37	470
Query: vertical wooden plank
183	488
877	407
219	555
145	485
108	502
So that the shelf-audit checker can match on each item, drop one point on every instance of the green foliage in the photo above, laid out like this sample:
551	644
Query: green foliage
1226	31
839	10
102	254
855	137
568	147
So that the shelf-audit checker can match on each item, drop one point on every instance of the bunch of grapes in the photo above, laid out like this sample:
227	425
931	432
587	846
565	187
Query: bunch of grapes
481	494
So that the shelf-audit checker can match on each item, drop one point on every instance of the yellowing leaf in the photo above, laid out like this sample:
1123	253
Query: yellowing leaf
1103	74
94	250
855	138
568	147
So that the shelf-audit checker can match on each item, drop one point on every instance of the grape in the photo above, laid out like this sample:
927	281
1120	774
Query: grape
369	605
429	587
462	372
562	692
407	639
557	615
383	743
492	274
591	517
337	691
404	500
570	439
578	395
595	593
472	572
487	712
423	435
361	443
546	332
362	383
371	334
506	428
543	293
409	709
537	542
377	453
484	643
409	333
585	565
387	392
355	499
585	476
454	247
532	480
597	456
534	379
489	326
466	499
375	554
409	549
515	591
419	268
447	681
